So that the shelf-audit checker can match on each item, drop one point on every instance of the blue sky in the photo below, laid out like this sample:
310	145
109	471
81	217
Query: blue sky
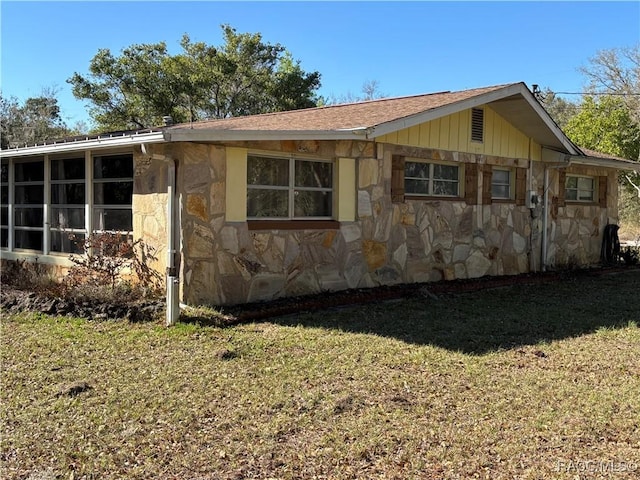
407	47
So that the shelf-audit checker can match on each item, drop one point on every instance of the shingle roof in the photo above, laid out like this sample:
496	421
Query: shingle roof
595	153
342	117
340	121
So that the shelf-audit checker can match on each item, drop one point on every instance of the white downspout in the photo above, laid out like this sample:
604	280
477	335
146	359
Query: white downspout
545	209
173	281
545	218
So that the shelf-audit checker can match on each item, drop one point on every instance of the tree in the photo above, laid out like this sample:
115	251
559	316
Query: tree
370	90
617	72
37	120
145	83
604	124
558	108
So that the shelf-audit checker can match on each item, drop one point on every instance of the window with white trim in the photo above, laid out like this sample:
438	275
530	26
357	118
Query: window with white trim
289	188
46	201
501	180
431	179
580	189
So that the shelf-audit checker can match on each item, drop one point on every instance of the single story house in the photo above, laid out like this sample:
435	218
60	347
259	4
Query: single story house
422	188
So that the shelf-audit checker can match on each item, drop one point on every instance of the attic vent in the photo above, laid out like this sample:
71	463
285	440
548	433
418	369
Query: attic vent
477	124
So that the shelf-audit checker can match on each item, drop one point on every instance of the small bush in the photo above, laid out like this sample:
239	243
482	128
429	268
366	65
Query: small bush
25	275
113	268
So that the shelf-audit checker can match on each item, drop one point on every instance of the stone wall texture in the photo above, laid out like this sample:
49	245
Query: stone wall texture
225	263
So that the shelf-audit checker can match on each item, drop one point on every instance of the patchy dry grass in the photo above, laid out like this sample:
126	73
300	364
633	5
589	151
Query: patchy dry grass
523	382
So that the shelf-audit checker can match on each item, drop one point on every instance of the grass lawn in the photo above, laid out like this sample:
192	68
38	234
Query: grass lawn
530	382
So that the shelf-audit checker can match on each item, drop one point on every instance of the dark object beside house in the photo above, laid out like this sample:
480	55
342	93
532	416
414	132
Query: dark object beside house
610	251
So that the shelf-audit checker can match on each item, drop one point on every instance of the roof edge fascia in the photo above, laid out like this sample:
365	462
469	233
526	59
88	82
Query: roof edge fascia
214	135
80	145
605	162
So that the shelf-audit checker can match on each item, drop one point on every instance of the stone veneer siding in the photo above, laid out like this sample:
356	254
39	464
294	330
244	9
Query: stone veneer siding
388	243
576	229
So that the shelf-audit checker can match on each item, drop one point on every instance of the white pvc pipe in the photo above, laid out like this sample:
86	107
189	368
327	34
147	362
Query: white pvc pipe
173	305
173	281
545	219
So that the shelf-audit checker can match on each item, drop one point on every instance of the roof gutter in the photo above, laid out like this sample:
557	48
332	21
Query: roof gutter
98	143
214	135
604	162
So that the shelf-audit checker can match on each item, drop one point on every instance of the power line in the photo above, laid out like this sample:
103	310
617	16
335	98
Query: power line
598	93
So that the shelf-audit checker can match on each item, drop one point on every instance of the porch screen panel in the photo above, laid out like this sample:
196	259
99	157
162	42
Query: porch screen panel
4	204
68	198
28	210
112	193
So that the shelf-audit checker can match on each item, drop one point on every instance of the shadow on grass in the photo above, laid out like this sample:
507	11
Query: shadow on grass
489	320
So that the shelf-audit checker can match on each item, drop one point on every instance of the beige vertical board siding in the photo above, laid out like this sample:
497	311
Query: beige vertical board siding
504	135
514	145
464	130
453	133
414	135
454	129
536	151
403	136
393	138
434	135
496	134
424	134
444	133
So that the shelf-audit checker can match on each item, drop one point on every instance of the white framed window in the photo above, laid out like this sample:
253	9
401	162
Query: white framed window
46	202
501	183
431	178
289	188
580	189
